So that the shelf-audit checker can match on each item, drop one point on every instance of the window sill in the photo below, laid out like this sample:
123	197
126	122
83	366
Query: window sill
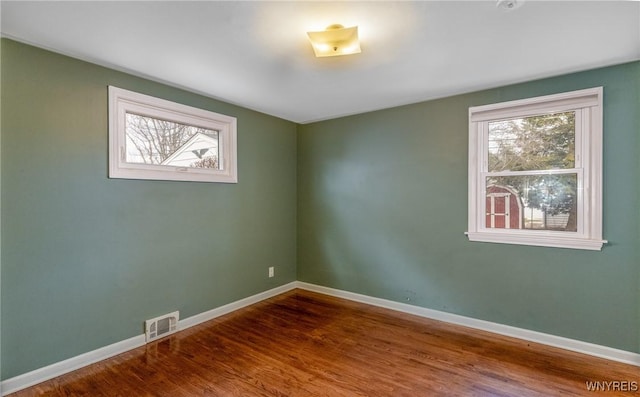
537	240
167	173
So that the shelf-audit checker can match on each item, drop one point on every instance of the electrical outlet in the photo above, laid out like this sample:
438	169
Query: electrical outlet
271	272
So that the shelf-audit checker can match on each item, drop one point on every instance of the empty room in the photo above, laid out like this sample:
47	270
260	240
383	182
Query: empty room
317	198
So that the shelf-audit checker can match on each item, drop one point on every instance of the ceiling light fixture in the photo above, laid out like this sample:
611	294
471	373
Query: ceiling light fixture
335	40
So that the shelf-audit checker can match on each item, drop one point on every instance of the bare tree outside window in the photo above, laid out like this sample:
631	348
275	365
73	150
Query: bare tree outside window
207	162
154	141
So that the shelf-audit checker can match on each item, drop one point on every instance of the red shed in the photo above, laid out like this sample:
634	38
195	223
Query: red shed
504	208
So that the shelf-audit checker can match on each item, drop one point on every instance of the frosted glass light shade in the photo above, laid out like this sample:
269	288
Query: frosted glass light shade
334	41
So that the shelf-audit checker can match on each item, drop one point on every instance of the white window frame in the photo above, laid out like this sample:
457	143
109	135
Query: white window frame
588	107
123	101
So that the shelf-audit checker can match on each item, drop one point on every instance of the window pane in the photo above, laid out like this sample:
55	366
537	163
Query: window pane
532	143
162	142
541	202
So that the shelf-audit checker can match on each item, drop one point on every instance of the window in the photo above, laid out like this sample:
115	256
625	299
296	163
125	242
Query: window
151	138
535	171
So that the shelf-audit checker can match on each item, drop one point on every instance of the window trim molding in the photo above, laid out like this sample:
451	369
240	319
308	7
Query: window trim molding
122	101
589	235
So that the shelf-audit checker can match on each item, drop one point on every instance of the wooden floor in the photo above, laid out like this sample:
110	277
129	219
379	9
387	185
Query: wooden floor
305	344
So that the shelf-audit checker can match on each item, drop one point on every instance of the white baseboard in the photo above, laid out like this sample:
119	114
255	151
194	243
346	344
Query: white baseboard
609	353
233	306
62	367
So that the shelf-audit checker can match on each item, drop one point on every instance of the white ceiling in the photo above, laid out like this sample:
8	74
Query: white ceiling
256	53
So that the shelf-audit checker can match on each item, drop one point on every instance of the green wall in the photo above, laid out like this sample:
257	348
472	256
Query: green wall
378	207
86	259
382	208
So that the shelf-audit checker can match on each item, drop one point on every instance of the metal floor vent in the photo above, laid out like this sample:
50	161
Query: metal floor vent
162	326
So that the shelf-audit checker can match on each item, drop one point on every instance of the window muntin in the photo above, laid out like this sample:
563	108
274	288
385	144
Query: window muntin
151	138
535	171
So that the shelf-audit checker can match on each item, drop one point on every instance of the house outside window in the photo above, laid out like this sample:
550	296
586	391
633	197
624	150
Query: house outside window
152	138
535	171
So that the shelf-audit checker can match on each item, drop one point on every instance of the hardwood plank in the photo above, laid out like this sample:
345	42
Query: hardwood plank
306	344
